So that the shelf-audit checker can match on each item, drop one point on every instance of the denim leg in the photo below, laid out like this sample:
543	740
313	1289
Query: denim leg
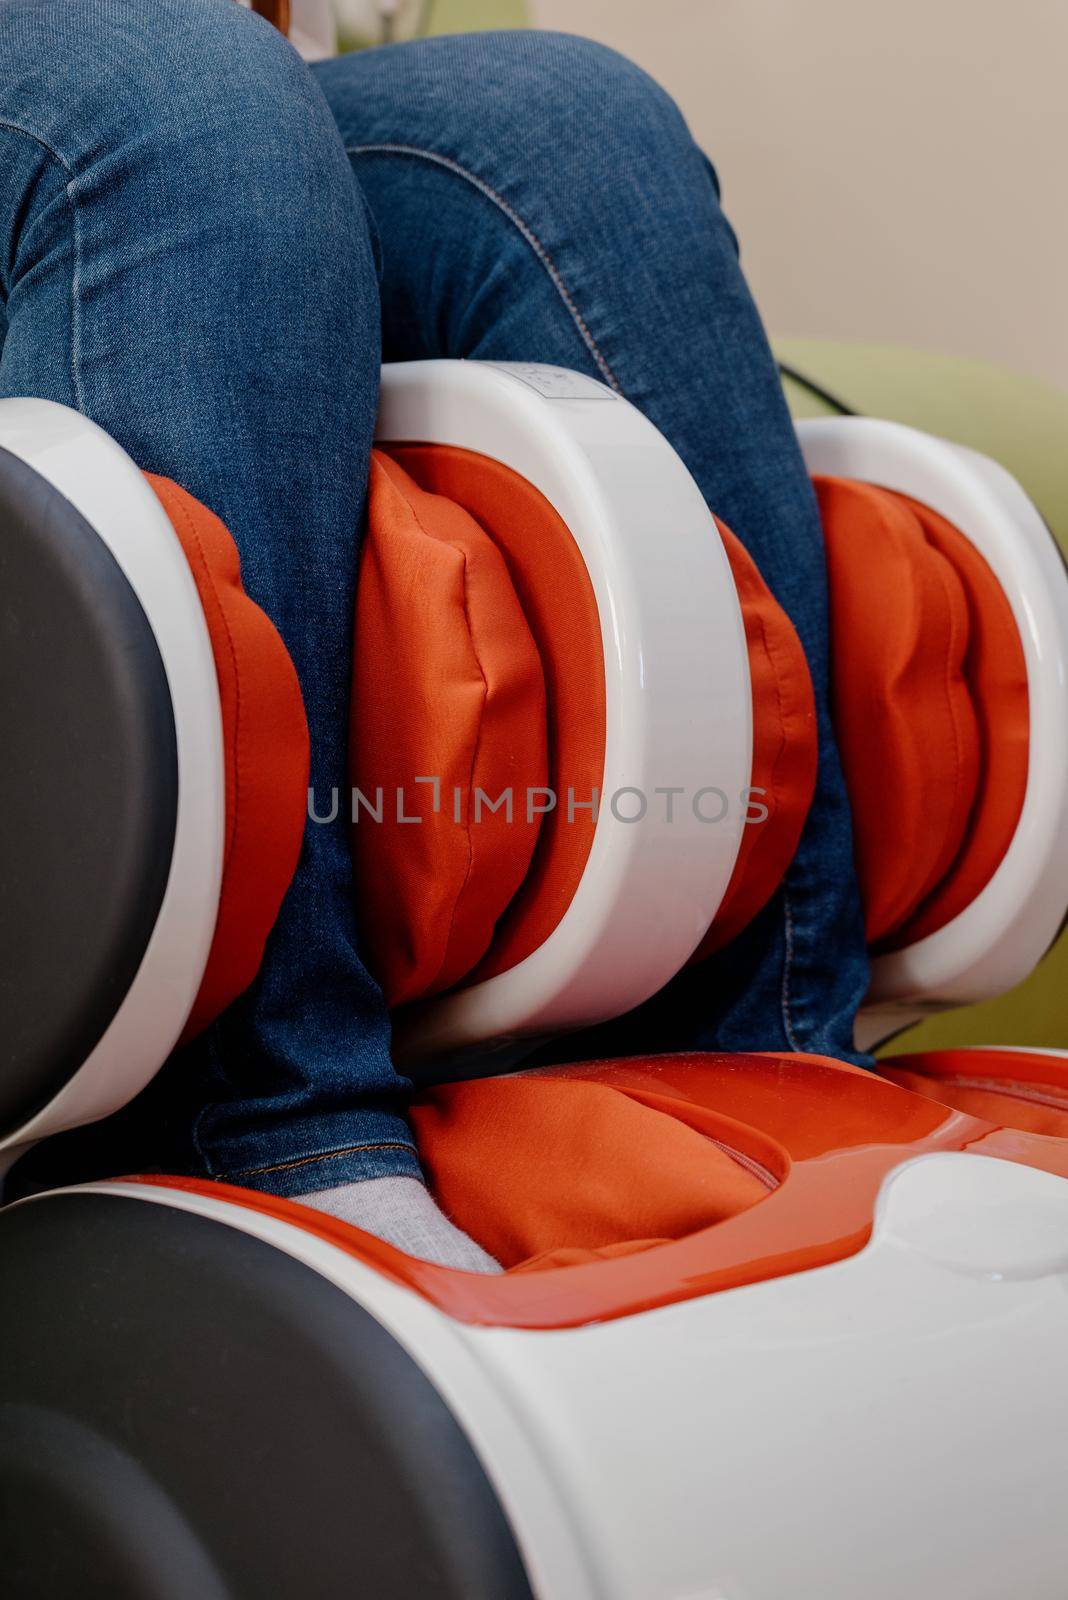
538	197
185	257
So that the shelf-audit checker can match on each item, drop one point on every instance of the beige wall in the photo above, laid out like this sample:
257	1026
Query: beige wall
895	168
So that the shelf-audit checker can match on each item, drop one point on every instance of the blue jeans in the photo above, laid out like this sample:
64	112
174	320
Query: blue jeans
201	241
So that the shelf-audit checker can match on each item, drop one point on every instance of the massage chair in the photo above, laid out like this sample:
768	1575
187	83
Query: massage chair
769	1324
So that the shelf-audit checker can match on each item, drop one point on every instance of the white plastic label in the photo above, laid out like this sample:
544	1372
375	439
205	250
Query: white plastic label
555	383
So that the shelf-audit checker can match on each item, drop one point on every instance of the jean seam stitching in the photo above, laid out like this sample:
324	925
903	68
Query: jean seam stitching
326	1155
522	226
75	282
214	1055
787	970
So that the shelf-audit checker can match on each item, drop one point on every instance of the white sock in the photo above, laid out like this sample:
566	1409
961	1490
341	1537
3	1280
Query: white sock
401	1211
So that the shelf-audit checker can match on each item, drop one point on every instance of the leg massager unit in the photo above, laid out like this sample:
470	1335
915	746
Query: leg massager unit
769	1325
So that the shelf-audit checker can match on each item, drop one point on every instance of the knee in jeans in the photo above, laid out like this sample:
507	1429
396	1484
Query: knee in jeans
204	85
590	99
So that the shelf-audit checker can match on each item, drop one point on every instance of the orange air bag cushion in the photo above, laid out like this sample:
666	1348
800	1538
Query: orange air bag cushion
447	685
996	670
550	1168
785	750
265	753
903	712
550	577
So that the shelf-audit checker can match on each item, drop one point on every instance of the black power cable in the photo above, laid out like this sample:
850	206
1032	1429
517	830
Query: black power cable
818	390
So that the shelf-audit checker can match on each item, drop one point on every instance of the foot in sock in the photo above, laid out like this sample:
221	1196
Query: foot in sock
401	1211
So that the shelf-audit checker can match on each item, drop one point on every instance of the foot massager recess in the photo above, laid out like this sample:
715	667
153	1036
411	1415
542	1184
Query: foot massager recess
769	1325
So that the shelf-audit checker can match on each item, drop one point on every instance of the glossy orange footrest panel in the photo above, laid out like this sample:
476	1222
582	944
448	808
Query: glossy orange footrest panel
1022	1089
825	1134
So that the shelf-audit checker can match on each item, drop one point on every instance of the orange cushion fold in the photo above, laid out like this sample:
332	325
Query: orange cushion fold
996	671
785	751
550	580
903	712
549	1170
447	688
265	750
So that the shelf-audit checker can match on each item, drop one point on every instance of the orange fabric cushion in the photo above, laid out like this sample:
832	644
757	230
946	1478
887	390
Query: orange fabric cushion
903	711
785	750
551	1168
996	671
447	685
558	603
265	750
1013	1089
554	589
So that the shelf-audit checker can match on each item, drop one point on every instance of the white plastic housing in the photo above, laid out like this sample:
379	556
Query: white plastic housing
99	479
997	940
888	1425
678	705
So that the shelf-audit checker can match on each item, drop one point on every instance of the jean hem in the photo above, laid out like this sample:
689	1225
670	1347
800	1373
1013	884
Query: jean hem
330	1169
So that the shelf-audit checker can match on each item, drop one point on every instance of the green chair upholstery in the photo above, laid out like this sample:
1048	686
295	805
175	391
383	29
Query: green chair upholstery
1023	423
469	16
